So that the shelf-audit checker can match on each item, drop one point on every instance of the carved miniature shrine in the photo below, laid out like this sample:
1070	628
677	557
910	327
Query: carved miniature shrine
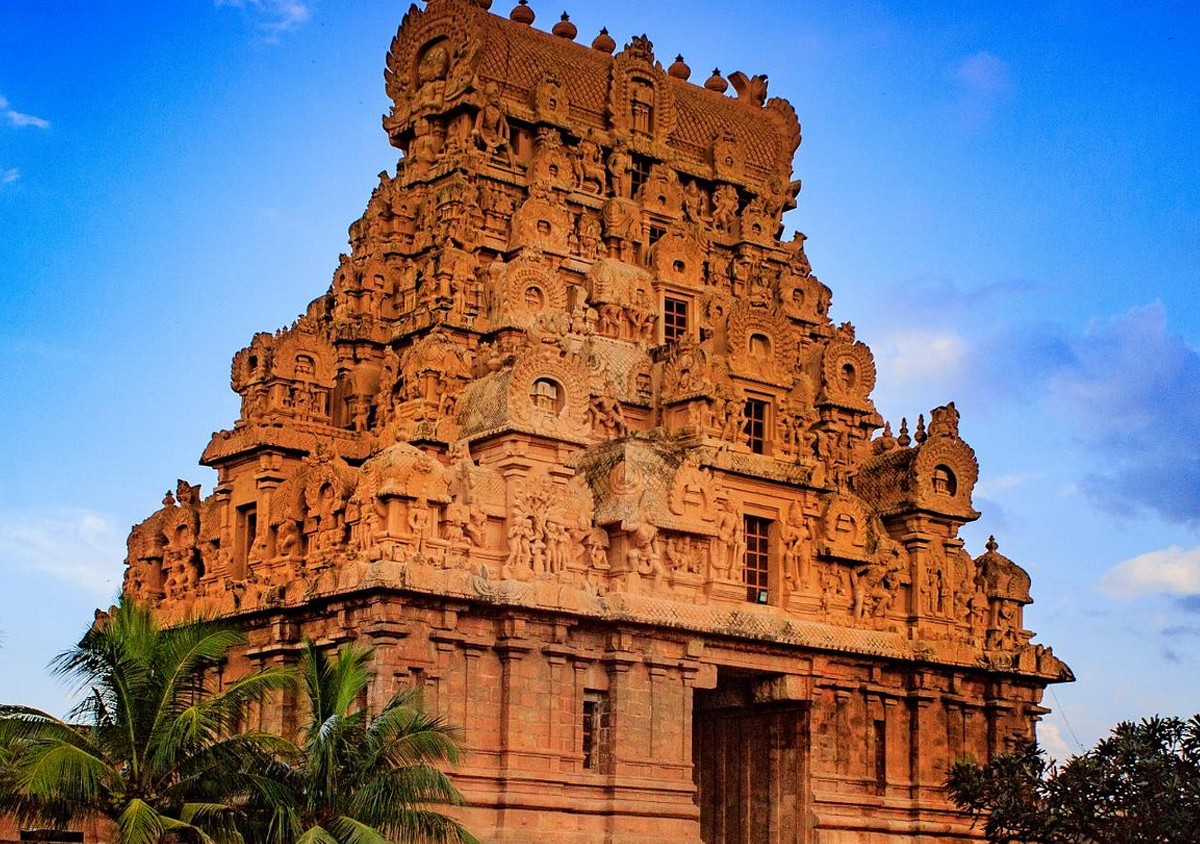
572	440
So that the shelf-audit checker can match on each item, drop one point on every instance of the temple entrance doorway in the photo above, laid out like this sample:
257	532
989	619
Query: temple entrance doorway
750	760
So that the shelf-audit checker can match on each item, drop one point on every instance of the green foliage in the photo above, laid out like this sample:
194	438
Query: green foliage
1140	784
357	779
151	746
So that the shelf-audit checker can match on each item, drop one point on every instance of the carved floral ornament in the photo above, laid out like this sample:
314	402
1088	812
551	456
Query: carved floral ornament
430	63
641	106
944	474
762	345
525	289
549	394
849	373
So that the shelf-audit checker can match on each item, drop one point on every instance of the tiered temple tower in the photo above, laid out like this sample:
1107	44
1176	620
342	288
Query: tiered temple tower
572	440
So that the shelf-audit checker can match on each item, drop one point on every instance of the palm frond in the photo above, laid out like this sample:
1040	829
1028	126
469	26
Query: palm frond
56	770
316	835
424	826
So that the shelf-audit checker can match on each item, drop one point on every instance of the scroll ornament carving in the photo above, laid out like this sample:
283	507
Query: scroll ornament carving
549	394
429	65
641	105
848	371
847	529
762	345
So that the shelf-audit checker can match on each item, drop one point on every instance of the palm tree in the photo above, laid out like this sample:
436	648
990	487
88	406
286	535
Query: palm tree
152	746
357	779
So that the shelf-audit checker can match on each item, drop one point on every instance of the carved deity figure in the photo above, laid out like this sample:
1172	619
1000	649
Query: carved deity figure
620	163
490	131
725	208
589	167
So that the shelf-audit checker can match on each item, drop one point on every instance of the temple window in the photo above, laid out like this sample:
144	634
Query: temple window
247	534
657	233
944	482
641	172
675	319
592	729
755	427
756	568
879	735
547	395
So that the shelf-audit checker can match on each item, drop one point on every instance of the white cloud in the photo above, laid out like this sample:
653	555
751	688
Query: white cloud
1051	740
78	547
989	487
18	119
1171	571
922	356
9	175
273	15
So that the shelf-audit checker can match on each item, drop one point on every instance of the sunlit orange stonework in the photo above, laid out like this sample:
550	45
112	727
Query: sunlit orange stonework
572	441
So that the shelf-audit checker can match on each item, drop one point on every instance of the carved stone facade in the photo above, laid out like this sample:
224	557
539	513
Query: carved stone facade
573	442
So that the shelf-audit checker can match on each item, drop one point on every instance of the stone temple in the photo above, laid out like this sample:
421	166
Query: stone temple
573	442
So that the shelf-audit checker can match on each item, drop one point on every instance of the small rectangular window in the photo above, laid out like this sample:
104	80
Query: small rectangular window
247	534
755	428
675	319
592	730
880	756
756	569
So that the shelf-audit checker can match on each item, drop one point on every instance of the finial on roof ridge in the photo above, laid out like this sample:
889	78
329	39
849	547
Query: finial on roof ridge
564	28
521	13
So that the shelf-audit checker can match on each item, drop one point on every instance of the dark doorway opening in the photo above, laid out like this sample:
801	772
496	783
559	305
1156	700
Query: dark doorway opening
750	758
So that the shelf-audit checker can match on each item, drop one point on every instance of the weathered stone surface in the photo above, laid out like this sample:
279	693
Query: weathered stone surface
573	441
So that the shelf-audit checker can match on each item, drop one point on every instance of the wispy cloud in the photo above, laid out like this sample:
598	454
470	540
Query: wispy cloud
15	118
1051	740
1169	571
274	16
990	487
922	355
1133	390
8	175
78	547
984	82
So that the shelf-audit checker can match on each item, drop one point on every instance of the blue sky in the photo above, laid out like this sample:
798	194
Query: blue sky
1004	198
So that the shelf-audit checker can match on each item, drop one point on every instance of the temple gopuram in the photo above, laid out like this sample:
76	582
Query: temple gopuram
573	442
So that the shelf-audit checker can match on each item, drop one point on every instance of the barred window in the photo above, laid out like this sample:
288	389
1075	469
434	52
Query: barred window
675	319
756	569
755	428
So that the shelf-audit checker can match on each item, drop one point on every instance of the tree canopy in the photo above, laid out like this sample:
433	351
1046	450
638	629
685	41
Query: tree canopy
355	778
1140	784
151	746
161	749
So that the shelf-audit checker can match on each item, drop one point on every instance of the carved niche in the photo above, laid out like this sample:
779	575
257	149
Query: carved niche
430	63
549	394
848	374
641	106
762	345
523	290
542	222
678	258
